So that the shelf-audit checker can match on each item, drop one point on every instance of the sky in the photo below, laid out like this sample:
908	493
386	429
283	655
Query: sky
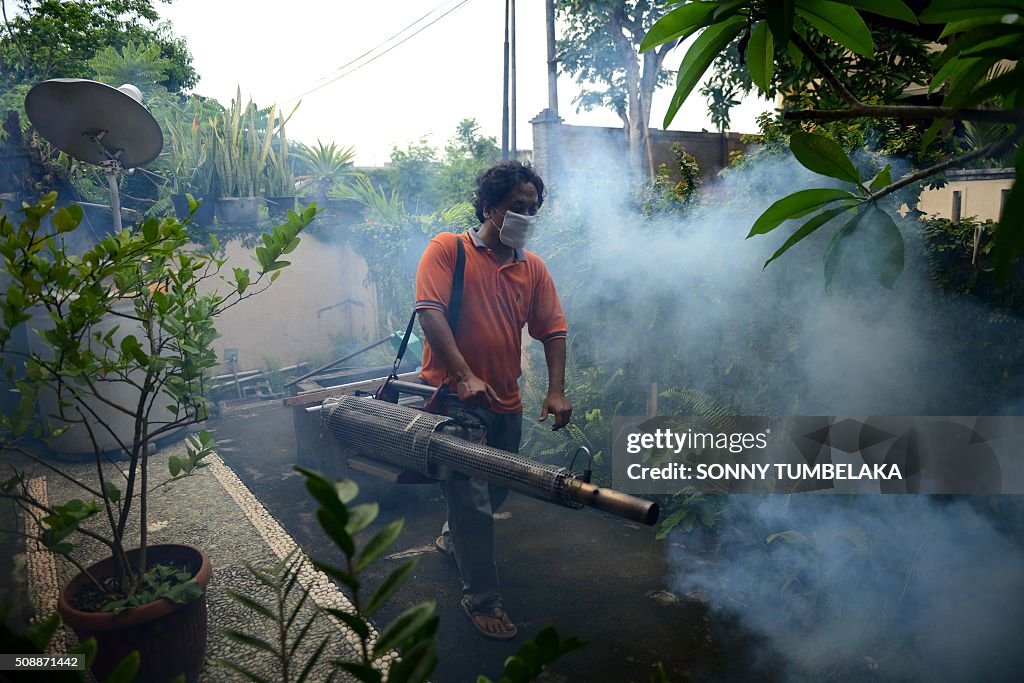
278	51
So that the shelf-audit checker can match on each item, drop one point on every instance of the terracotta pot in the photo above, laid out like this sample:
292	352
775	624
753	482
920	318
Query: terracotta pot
170	638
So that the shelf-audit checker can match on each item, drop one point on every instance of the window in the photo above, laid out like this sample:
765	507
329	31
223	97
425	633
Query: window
957	204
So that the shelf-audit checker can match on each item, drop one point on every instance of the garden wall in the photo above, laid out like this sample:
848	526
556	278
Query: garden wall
319	301
557	146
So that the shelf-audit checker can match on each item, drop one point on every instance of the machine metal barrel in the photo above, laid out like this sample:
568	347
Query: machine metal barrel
417	441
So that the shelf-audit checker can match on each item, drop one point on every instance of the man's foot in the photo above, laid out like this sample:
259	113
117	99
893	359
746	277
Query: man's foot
444	547
491	623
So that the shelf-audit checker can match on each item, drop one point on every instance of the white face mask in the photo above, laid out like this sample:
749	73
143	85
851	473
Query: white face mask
516	229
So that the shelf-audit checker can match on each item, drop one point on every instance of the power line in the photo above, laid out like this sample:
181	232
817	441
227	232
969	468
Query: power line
381	54
382	43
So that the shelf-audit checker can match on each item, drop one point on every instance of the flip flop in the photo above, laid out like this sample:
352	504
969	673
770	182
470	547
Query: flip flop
495	612
444	548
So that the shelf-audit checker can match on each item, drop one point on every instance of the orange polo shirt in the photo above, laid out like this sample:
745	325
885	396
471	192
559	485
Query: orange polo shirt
497	301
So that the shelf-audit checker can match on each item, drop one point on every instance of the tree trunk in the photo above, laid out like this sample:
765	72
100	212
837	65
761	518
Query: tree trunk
636	130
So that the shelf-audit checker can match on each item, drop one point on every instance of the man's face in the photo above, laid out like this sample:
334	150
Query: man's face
522	200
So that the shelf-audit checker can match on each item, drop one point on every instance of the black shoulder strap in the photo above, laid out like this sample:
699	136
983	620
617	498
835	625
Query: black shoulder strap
455	300
454	305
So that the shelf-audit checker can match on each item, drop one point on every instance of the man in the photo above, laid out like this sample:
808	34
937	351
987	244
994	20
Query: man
505	288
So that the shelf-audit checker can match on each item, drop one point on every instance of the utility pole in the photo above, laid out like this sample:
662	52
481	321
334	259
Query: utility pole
552	59
504	103
512	84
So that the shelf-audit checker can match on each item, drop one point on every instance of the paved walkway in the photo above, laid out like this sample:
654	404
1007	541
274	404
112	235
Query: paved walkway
215	511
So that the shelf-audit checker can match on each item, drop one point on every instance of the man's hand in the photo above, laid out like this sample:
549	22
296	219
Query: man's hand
559	406
475	393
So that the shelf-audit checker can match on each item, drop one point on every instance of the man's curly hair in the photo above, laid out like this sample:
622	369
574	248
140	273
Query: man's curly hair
493	184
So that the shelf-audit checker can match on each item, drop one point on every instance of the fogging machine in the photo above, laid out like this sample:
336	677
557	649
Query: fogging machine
423	442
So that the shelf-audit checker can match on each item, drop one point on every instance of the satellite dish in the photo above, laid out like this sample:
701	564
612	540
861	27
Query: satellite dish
98	124
94	122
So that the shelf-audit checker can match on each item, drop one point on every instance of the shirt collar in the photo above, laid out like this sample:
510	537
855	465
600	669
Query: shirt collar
479	243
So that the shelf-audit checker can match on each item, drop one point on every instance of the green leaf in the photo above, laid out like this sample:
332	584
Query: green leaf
111	491
251	641
379	544
363	672
174	465
42	633
679	23
882	179
346	490
986	18
515	671
150	230
964	83
326	493
794	206
415	664
841	23
67	218
339	574
836	248
403	627
704	50
353	621
894	9
252	605
941	11
276	265
335	529
361	516
125	670
390	585
780	16
313	659
761	56
245	673
1009	243
823	155
184	593
807	228
530	655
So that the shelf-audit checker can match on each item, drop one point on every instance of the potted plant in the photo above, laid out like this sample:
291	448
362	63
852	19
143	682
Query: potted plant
278	177
240	156
324	168
193	169
162	352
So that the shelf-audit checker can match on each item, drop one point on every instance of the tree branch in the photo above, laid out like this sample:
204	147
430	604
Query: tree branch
825	70
906	112
39	461
989	150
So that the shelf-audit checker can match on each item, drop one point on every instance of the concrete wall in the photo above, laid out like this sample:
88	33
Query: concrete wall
323	294
556	146
981	194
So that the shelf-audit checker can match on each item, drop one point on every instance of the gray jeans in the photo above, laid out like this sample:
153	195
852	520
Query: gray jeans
471	503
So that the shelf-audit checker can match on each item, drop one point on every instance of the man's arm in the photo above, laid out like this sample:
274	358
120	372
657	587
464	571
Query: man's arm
555	402
471	389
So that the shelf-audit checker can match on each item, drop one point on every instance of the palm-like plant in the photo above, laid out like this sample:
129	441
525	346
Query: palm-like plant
381	207
324	167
